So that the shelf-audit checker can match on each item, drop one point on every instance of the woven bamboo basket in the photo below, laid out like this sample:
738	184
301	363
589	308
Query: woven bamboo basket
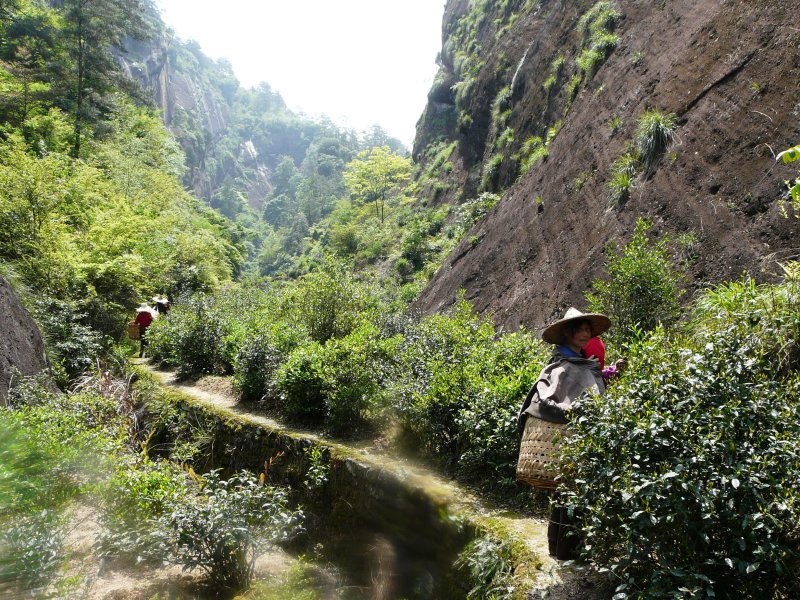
133	331
536	465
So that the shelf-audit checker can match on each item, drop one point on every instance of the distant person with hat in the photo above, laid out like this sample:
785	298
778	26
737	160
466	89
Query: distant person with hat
144	318
161	305
561	384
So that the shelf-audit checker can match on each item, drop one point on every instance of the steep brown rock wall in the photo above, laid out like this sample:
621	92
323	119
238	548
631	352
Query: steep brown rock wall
730	71
21	346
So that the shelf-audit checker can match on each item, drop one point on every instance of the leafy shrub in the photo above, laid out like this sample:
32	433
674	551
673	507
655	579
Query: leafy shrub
45	439
262	351
299	392
767	316
156	512
329	302
226	528
201	333
654	133
135	496
642	290
457	387
686	474
338	384
73	345
31	550
353	371
472	211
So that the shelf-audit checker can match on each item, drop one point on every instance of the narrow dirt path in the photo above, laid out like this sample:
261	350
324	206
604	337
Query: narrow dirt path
555	580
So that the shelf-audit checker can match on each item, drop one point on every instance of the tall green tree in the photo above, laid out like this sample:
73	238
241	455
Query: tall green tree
92	30
375	174
29	50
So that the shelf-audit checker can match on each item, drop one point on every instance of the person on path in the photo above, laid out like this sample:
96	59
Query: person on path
144	318
161	305
568	376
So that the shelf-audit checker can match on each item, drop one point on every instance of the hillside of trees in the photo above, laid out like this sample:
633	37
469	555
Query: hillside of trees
390	299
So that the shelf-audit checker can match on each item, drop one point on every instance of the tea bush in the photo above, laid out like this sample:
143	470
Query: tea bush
338	384
686	473
201	333
328	303
156	512
265	346
642	290
45	439
137	494
299	392
458	385
224	529
352	371
490	567
768	316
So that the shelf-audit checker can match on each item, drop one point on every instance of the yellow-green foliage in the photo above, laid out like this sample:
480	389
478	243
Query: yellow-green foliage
532	151
115	226
599	41
788	156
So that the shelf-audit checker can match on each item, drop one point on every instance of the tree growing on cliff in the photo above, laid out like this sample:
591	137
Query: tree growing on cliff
92	29
374	174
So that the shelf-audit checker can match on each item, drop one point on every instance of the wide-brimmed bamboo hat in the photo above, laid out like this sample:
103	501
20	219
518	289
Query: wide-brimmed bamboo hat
554	333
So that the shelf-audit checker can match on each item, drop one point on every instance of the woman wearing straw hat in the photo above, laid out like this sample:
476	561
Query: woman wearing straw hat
144	318
547	408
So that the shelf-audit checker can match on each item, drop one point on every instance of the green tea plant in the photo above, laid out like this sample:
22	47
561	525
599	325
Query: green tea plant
299	393
686	473
457	387
328	303
223	530
44	441
642	290
264	347
202	333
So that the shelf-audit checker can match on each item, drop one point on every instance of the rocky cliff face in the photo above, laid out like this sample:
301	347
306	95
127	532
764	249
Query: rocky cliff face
522	107
195	95
22	349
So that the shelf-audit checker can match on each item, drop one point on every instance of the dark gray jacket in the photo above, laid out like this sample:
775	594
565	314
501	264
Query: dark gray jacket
559	386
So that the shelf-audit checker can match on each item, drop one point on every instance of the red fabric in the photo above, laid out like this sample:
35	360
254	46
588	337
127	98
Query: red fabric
144	318
595	347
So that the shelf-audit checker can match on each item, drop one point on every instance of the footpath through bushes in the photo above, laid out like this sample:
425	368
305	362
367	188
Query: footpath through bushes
685	474
330	351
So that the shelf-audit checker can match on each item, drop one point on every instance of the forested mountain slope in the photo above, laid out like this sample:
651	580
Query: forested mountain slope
542	101
273	171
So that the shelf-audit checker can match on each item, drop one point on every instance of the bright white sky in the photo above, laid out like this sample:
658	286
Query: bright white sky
360	62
